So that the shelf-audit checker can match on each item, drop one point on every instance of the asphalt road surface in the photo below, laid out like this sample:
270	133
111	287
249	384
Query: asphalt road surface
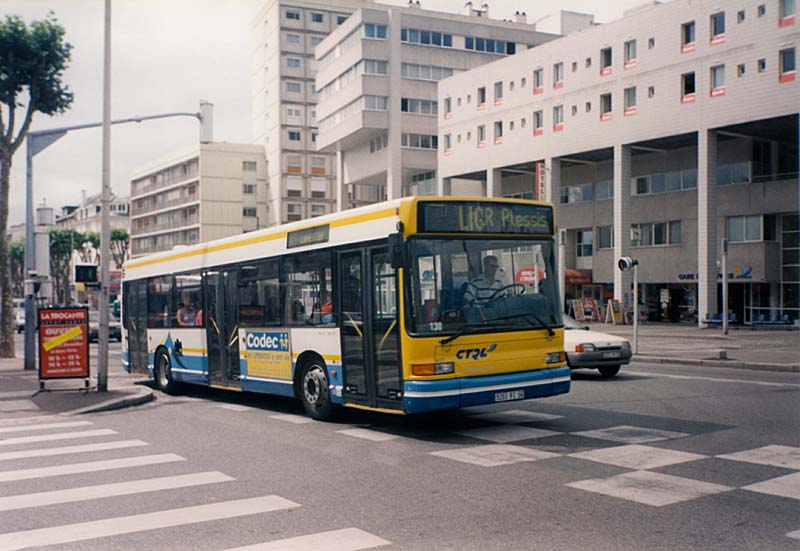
658	458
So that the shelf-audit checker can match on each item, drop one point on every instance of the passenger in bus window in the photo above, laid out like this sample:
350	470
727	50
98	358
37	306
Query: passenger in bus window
187	312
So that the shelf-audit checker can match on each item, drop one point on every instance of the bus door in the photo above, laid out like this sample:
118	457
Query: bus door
222	328
369	327
135	314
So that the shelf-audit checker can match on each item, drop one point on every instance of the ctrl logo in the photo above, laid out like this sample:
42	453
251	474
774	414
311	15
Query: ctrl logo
268	341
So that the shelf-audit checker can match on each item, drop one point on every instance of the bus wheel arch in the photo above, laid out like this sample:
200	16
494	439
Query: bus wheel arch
162	371
311	386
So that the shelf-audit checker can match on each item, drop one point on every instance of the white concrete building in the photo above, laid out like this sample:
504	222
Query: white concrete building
86	217
377	82
209	191
657	135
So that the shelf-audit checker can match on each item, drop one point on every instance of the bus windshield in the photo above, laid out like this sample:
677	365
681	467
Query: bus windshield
474	285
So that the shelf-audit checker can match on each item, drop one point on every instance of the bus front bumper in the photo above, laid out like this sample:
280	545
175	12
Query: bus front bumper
422	396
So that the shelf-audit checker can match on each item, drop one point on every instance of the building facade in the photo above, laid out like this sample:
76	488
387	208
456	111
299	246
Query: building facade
377	91
86	217
210	191
657	136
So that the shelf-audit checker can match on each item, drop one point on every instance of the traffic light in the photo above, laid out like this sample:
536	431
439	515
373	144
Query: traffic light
85	273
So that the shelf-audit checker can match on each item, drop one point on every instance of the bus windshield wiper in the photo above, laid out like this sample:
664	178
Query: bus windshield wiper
461	332
527	317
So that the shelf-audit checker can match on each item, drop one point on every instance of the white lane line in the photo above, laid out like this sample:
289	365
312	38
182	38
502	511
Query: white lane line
59	436
83	531
15	394
367	434
64	450
87	493
234	407
44	426
294	419
15	421
346	539
716	379
89	467
17	405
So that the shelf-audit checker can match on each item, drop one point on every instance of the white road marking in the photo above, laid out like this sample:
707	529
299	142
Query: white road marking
15	421
631	435
44	426
515	416
776	456
794	535
638	457
506	433
58	436
64	450
716	379
367	434
83	531
346	539
494	455
234	407
15	394
17	405
89	467
784	486
99	491
295	419
650	488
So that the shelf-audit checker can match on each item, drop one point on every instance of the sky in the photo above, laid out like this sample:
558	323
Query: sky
167	56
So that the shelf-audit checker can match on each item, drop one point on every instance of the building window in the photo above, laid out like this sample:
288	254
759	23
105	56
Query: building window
787	12
248	189
605	237
788	64
419	141
558	75
630	54
314	136
317	210
448	107
604	189
489	45
420	106
574	110
372	30
574	66
295	15
294	135
584	242
687	87
340	19
651	42
481	135
292	112
249	212
717	80
448	143
741	16
427	38
315	40
249	166
481	97
293	38
762	10
376	103
425	72
538	81
317	17
319	188
718	27
740	70
294	212
294	186
538	123
318	165
498	132
605	61
576	194
762	65
293	62
588	62
294	163
688	37
293	87
375	67
498	93
656	234
630	100
558	118
605	107
745	228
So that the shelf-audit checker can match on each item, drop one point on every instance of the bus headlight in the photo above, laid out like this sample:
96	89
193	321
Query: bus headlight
442	368
555	357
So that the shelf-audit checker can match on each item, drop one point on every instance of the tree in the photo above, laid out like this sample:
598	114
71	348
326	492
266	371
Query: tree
32	63
119	246
62	243
16	252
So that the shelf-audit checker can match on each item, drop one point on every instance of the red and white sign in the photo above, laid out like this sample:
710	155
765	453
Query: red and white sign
528	276
63	343
541	184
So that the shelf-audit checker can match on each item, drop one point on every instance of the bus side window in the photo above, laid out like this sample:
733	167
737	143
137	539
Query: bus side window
158	299
259	297
306	285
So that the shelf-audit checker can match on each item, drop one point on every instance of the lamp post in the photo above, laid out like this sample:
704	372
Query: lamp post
627	264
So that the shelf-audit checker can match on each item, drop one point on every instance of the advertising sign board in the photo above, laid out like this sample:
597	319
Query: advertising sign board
63	343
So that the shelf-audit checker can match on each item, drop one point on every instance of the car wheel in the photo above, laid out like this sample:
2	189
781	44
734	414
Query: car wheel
314	391
609	371
163	373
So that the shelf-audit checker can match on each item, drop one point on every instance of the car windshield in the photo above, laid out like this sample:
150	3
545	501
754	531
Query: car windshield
570	323
478	285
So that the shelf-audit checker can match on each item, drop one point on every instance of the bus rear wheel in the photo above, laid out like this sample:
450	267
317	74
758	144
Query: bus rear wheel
163	373
314	391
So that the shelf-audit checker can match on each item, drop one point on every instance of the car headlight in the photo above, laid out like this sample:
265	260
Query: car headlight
626	345
585	347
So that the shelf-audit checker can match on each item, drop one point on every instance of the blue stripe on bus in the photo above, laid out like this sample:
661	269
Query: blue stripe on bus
422	396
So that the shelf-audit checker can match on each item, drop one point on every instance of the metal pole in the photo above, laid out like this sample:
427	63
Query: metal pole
105	245
724	286
30	261
562	259
636	308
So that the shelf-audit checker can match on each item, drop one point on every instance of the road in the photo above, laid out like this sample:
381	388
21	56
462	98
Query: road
660	457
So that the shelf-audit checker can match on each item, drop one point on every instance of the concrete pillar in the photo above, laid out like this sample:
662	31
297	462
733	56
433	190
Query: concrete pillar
552	190
494	182
341	193
444	186
706	224
622	218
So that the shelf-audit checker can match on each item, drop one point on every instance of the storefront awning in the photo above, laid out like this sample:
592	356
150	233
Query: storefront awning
573	276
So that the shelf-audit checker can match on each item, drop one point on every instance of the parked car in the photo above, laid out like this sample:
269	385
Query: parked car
587	349
19	319
114	327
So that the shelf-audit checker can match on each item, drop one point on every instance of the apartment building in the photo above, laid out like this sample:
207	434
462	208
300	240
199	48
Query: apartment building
86	217
377	91
209	191
657	136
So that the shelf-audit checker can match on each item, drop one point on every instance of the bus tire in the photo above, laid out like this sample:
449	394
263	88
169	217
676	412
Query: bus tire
608	371
163	373
314	392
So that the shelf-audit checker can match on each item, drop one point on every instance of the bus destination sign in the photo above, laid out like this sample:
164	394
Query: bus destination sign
308	236
485	217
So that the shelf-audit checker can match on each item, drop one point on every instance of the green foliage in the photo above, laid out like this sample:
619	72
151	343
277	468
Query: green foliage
119	246
16	252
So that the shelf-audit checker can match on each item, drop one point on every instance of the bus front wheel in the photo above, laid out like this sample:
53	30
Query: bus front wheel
314	391
163	373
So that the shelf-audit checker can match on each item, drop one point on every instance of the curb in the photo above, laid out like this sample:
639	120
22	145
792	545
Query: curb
733	364
143	396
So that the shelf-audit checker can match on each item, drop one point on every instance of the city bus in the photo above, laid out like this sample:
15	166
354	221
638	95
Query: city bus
379	308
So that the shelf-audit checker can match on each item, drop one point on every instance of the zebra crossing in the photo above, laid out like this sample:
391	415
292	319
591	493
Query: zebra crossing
29	439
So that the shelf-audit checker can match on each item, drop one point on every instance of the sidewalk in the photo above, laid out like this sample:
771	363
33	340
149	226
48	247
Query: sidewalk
771	349
18	392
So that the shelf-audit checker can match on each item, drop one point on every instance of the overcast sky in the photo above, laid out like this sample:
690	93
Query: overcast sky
167	55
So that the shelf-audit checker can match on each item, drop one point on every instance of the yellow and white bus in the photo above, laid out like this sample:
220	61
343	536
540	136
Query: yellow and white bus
407	306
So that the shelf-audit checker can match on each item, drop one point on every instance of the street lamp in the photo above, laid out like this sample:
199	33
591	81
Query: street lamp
626	264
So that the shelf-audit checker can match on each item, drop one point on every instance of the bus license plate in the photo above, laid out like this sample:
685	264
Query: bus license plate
611	354
506	396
